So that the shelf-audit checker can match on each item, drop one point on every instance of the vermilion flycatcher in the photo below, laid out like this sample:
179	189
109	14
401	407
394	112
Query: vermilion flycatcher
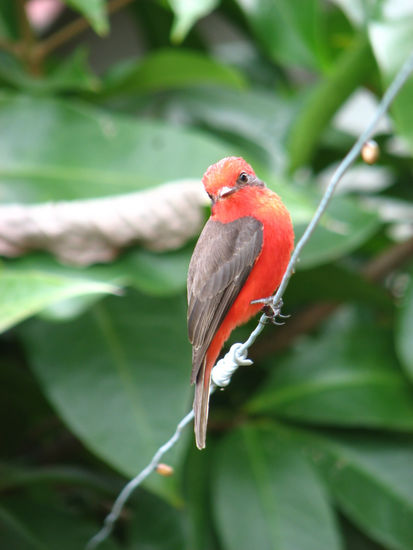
241	256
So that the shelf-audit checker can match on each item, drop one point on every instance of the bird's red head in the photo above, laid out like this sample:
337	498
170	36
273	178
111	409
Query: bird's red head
227	176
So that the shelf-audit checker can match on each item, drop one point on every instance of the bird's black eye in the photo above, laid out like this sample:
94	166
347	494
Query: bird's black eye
243	177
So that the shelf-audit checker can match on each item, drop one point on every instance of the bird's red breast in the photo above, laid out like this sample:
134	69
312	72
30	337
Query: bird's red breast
241	256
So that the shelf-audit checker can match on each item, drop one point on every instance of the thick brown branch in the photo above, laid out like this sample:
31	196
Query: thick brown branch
95	230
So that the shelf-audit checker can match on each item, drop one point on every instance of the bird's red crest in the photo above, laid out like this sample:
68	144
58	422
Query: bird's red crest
225	173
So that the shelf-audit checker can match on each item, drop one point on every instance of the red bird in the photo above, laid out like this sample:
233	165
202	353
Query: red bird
241	256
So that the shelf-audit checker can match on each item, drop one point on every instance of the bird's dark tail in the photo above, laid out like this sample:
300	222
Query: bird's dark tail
201	405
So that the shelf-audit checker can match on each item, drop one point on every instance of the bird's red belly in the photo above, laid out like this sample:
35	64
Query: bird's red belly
264	279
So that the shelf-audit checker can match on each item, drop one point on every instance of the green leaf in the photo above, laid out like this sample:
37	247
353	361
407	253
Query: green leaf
155	273
21	400
392	43
42	520
263	469
255	117
94	11
201	533
23	294
122	384
404	340
345	226
155	525
73	73
356	539
346	376
371	479
70	74
60	150
363	12
336	283
159	274
152	273
9	27
187	13
170	69
360	11
291	31
351	70
14	534
13	477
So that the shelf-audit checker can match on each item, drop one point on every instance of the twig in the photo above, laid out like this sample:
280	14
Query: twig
9	46
26	46
33	53
239	352
26	31
133	483
71	30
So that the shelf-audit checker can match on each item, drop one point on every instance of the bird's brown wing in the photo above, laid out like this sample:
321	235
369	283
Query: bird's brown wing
221	262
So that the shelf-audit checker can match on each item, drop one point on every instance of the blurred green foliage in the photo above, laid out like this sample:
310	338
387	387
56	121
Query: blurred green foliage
313	448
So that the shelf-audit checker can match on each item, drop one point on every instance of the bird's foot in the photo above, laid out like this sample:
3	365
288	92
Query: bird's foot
272	311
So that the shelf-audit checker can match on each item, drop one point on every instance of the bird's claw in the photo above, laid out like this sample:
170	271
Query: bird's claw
272	311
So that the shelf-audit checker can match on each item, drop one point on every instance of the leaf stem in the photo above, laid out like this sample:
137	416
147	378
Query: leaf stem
25	48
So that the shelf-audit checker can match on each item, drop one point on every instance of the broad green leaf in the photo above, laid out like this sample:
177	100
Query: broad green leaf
155	525
349	72
255	119
187	13
360	11
337	283
170	69
355	539
23	294
267	495
154	273
370	476
404	334
149	272
344	227
15	477
346	376
42	520
70	74
14	534
392	43
9	27
60	150
122	383
200	534
73	73
291	31
94	11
